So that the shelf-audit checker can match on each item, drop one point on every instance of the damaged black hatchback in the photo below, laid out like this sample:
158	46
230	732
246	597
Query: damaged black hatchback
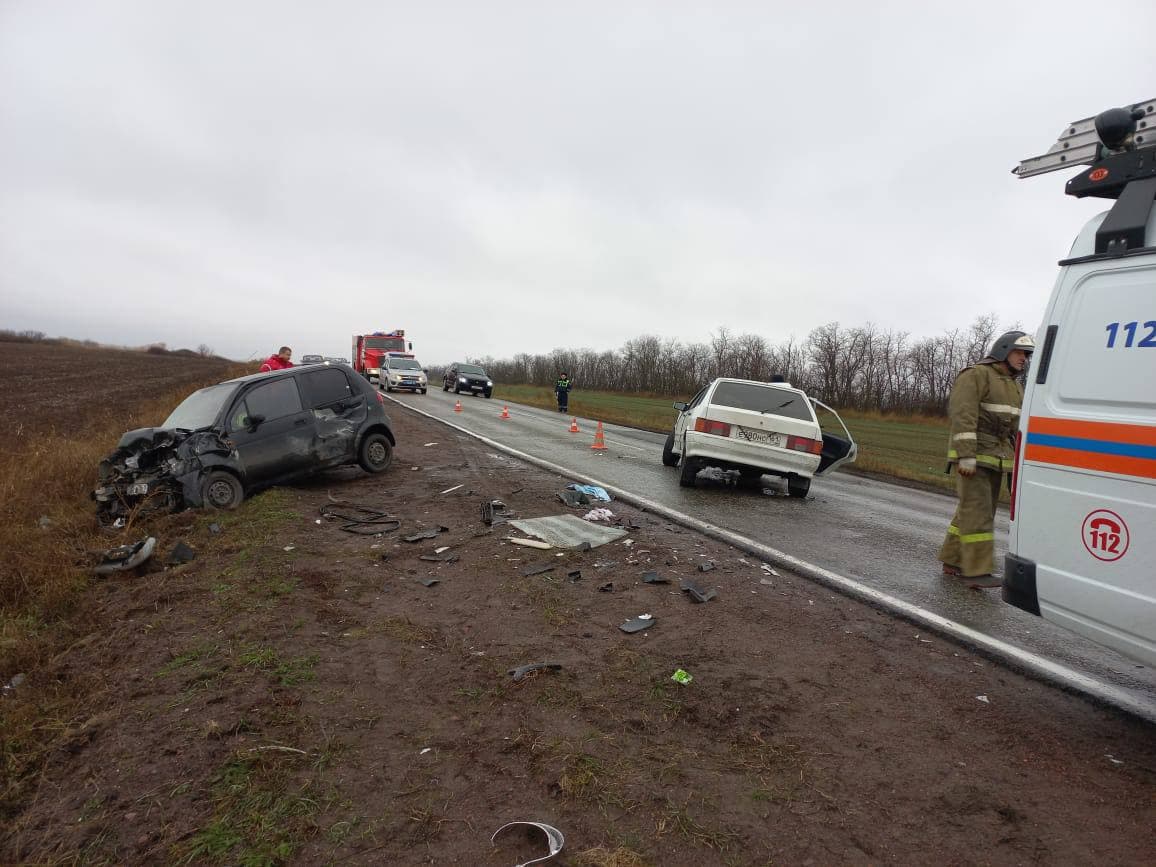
226	441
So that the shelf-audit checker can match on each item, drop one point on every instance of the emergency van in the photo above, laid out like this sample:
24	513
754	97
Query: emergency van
1082	544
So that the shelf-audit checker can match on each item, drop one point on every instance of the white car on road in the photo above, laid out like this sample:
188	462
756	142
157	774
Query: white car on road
755	428
399	373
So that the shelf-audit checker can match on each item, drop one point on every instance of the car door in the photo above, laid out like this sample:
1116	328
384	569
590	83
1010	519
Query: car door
837	450
685	418
272	432
339	411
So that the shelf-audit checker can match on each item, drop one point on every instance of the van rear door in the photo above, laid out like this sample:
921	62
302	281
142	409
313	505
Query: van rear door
1085	510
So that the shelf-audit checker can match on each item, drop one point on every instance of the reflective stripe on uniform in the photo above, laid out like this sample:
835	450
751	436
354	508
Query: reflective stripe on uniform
965	538
1001	464
966	435
1000	407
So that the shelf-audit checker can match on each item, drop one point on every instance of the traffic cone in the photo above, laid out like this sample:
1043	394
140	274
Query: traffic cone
505	412
574	425
599	440
457	406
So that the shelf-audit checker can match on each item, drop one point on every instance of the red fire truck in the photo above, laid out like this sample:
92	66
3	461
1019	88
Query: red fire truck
370	349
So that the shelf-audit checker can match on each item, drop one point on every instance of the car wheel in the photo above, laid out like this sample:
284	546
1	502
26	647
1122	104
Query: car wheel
421	391
222	490
489	394
457	389
376	453
669	458
690	469
798	487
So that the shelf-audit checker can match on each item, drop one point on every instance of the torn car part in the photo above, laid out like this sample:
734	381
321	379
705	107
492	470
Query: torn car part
181	553
424	534
554	839
696	592
359	520
125	557
522	670
537	569
654	578
638	624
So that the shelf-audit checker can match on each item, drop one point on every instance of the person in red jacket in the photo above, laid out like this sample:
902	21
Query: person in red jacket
280	361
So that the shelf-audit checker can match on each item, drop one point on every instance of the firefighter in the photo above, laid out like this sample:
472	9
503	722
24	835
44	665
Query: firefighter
984	408
280	361
562	392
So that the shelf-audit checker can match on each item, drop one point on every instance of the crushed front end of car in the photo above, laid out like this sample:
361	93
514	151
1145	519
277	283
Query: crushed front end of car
156	470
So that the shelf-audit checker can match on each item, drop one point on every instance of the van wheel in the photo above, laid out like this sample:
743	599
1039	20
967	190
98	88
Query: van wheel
690	469
798	487
222	490
669	458
376	453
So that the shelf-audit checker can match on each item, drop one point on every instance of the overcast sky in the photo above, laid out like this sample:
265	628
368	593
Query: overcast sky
513	177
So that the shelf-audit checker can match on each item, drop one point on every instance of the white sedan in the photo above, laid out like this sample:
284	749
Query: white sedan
755	428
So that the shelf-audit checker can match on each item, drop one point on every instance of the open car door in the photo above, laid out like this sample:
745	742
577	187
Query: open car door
836	450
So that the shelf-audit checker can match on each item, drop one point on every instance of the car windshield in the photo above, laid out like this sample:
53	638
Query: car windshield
404	364
762	398
393	344
471	368
201	408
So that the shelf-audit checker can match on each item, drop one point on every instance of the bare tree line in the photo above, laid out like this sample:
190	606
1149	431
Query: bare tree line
863	367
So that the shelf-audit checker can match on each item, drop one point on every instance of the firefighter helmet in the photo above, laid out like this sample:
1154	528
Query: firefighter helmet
1005	343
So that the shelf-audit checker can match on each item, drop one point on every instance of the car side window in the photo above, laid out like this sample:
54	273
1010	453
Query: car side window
272	400
324	387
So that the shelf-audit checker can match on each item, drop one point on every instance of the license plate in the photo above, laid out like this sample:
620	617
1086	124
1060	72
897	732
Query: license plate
764	438
138	490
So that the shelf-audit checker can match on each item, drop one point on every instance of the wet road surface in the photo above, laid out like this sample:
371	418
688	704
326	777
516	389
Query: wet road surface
883	535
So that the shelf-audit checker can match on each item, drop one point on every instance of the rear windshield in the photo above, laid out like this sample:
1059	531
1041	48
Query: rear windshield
404	364
471	368
201	408
762	398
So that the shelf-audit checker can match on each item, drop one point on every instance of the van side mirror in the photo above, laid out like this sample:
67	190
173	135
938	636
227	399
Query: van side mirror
254	422
681	407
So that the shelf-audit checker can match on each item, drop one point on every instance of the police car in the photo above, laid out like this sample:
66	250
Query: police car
1082	544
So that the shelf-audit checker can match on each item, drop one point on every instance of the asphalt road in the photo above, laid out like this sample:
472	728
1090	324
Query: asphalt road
883	535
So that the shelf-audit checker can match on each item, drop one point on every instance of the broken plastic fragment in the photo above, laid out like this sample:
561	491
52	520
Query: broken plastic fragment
424	534
696	593
554	839
530	543
654	578
536	569
454	488
984	699
706	566
522	670
608	587
682	677
125	557
637	624
181	553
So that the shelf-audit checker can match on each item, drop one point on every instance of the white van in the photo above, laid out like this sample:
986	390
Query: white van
1082	545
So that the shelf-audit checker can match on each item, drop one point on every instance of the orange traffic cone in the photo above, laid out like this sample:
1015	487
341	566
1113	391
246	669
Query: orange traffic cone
599	440
574	425
505	412
457	406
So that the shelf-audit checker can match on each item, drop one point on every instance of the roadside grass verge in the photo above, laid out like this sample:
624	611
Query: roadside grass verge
908	447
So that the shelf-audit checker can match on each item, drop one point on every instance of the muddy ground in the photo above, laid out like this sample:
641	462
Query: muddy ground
296	694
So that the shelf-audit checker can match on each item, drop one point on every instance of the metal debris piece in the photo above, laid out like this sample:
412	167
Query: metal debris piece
696	593
522	670
181	553
654	578
495	512
536	569
125	557
638	624
553	837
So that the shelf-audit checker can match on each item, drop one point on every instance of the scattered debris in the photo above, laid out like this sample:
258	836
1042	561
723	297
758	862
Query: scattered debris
706	566
215	529
494	512
637	624
553	837
454	488
427	749
530	543
696	593
44	522
984	699
573	498
427	445
359	520
575	575
537	569
767	581
1108	756
608	587
598	515
682	677
13	684
430	582
627	542
424	534
288	547
433	558
568	531
591	491
125	557
442	549
182	553
522	670
654	578
769	570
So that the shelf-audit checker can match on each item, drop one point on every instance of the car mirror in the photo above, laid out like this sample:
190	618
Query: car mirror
681	407
254	421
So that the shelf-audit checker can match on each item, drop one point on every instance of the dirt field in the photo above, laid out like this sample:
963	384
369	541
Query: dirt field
297	695
50	387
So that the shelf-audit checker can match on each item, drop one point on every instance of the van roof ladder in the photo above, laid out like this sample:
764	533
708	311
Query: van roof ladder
1119	145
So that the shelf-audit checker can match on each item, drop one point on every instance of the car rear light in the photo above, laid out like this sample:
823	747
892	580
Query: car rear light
718	428
1014	478
805	444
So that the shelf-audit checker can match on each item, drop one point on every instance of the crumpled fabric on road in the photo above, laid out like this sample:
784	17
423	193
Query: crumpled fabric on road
598	515
591	491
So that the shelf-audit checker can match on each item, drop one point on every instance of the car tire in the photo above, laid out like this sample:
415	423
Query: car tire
421	391
457	389
798	487
375	454
489	394
690	470
222	490
669	458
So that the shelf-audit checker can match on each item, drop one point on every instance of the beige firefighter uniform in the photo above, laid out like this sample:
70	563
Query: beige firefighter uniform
984	409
